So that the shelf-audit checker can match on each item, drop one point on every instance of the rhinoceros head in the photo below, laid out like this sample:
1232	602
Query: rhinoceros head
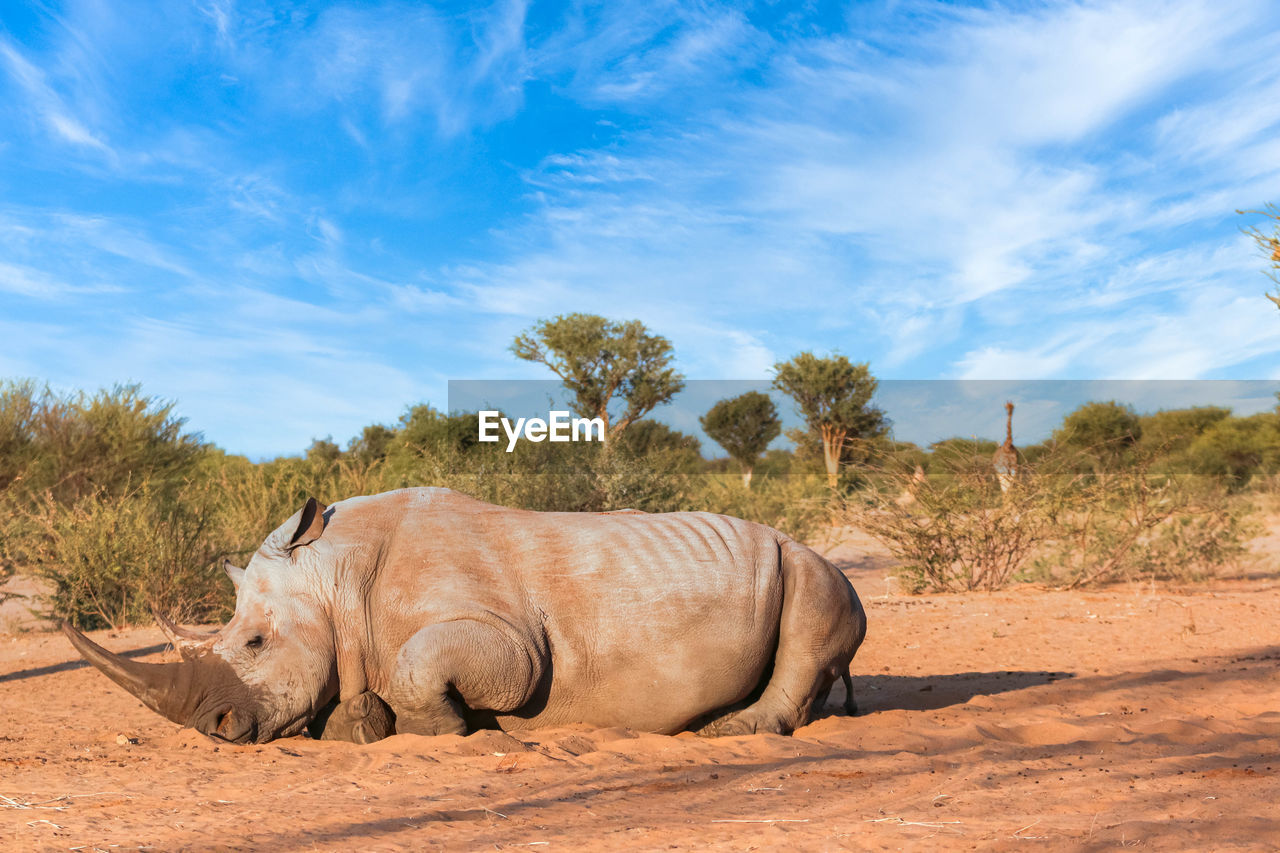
269	670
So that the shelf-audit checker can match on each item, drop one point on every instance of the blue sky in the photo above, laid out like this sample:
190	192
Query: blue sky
297	219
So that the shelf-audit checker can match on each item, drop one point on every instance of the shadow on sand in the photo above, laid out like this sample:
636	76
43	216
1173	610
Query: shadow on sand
931	692
67	666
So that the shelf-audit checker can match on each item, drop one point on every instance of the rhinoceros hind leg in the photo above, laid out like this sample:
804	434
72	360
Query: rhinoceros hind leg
361	719
448	668
822	624
850	704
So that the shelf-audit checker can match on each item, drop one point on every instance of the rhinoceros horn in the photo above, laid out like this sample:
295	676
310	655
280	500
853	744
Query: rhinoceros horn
178	631
173	690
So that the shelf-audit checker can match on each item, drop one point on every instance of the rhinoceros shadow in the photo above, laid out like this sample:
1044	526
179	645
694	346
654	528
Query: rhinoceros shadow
67	666
931	692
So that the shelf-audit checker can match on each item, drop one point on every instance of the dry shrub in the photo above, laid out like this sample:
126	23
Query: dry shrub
953	531
111	560
6	572
1064	523
97	498
1136	525
553	477
246	501
797	504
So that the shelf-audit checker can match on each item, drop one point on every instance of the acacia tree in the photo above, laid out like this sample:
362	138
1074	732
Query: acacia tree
833	395
600	360
1269	244
743	426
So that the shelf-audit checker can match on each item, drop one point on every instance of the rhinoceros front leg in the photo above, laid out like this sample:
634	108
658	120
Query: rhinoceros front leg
361	719
447	666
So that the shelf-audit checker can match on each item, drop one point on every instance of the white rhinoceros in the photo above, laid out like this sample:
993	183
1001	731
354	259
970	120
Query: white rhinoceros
460	615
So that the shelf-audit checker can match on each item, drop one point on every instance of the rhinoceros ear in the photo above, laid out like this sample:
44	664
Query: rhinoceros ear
234	572
310	525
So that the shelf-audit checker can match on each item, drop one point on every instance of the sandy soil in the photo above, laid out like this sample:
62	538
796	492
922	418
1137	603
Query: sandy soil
1140	717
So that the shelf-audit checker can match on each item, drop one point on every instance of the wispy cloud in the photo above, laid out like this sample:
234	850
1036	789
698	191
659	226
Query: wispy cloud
21	280
636	52
1006	165
46	104
298	219
384	66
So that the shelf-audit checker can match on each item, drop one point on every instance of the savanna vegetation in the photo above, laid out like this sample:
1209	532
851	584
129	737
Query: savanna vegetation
1268	241
120	509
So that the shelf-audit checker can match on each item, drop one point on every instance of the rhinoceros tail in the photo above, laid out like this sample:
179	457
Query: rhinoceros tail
850	704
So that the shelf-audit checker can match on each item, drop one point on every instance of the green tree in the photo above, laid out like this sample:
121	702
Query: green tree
324	452
647	437
425	431
1236	449
833	396
601	360
372	444
743	426
1103	431
1171	431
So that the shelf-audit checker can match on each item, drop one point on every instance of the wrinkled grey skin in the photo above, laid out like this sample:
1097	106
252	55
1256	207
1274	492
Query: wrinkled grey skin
426	611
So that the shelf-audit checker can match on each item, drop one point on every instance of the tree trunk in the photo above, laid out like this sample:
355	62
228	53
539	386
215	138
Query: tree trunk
831	443
747	471
603	414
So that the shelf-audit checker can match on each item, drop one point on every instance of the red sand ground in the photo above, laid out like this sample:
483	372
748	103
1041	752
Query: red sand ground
1138	717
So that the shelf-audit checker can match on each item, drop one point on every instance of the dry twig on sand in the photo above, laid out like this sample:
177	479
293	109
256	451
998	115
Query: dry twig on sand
11	803
899	821
1017	833
14	803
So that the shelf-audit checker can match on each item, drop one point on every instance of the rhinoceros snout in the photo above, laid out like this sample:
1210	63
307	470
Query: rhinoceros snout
231	725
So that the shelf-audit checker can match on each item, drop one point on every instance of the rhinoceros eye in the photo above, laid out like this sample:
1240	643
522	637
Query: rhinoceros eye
255	643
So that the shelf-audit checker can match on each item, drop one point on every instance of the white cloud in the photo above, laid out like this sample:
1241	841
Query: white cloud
34	283
1062	72
411	61
1216	328
981	181
632	53
1019	190
46	103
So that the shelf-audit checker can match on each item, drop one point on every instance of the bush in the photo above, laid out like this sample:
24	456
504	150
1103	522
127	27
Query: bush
654	476
111	560
954	530
108	498
1141	525
1235	450
77	445
797	504
1172	431
92	500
